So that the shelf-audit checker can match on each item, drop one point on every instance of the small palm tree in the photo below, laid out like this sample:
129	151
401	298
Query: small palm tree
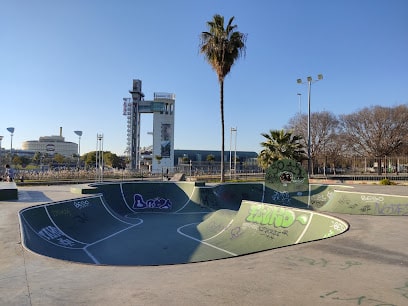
221	48
210	158
281	145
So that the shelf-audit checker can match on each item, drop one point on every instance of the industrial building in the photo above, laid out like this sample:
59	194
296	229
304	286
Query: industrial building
51	145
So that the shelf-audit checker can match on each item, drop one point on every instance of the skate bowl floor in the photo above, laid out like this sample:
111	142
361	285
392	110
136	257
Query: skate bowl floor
162	223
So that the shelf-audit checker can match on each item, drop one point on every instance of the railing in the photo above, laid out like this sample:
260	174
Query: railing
191	173
361	177
164	95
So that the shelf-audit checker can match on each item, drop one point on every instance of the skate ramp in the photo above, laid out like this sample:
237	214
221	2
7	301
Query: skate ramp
341	199
363	203
287	184
168	223
260	226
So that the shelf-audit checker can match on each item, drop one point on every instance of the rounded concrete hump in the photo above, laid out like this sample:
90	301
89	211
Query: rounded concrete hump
286	183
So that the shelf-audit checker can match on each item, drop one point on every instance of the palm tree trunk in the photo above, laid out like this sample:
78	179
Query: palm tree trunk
222	128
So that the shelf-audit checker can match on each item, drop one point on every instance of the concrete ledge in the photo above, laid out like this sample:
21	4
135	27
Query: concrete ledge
8	191
178	177
83	189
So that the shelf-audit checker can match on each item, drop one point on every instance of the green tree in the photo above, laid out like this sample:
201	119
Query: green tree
25	161
118	162
221	48
89	158
47	159
58	158
210	158
280	144
17	160
37	158
109	159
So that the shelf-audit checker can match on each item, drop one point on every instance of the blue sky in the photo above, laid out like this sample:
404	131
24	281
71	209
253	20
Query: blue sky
69	64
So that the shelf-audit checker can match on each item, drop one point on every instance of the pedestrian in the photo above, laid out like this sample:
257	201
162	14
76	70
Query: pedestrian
9	173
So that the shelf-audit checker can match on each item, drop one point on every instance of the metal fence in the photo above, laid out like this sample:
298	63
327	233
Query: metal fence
363	166
355	169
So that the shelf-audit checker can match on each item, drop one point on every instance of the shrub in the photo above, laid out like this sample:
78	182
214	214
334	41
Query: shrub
386	182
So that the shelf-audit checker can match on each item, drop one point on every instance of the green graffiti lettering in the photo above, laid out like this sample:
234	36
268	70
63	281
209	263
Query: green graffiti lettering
273	218
276	216
266	216
281	217
258	217
252	213
302	219
288	218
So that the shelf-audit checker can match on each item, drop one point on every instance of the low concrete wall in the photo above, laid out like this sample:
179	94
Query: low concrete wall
8	191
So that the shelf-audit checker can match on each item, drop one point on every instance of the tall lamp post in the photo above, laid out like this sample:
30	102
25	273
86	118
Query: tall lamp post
99	158
233	130
235	151
79	134
1	138
11	130
300	103
309	91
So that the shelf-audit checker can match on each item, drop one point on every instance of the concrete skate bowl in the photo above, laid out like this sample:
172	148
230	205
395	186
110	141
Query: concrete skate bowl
161	223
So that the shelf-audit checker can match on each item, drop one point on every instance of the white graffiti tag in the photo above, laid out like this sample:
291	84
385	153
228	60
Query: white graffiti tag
282	197
81	204
51	233
372	198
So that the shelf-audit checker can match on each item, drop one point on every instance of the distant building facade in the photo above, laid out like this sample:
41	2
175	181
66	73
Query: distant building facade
197	156
51	145
203	159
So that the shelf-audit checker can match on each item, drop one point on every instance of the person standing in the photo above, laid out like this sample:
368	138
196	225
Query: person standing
9	173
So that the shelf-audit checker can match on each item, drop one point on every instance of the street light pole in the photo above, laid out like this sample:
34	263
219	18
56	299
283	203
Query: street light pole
230	163
235	155
99	164
309	92
230	159
11	130
300	103
1	138
79	134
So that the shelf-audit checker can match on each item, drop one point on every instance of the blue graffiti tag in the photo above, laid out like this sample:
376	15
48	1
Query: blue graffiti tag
159	203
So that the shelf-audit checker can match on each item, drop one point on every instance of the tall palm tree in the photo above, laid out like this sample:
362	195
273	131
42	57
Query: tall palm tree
281	145
221	48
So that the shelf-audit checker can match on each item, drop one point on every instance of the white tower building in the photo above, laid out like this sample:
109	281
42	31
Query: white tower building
162	108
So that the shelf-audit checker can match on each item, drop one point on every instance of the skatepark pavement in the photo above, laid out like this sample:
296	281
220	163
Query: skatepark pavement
365	265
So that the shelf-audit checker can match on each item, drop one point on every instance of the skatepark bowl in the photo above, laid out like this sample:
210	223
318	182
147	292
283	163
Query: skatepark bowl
161	223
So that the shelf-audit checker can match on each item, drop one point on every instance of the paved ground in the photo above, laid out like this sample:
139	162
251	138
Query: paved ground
368	265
